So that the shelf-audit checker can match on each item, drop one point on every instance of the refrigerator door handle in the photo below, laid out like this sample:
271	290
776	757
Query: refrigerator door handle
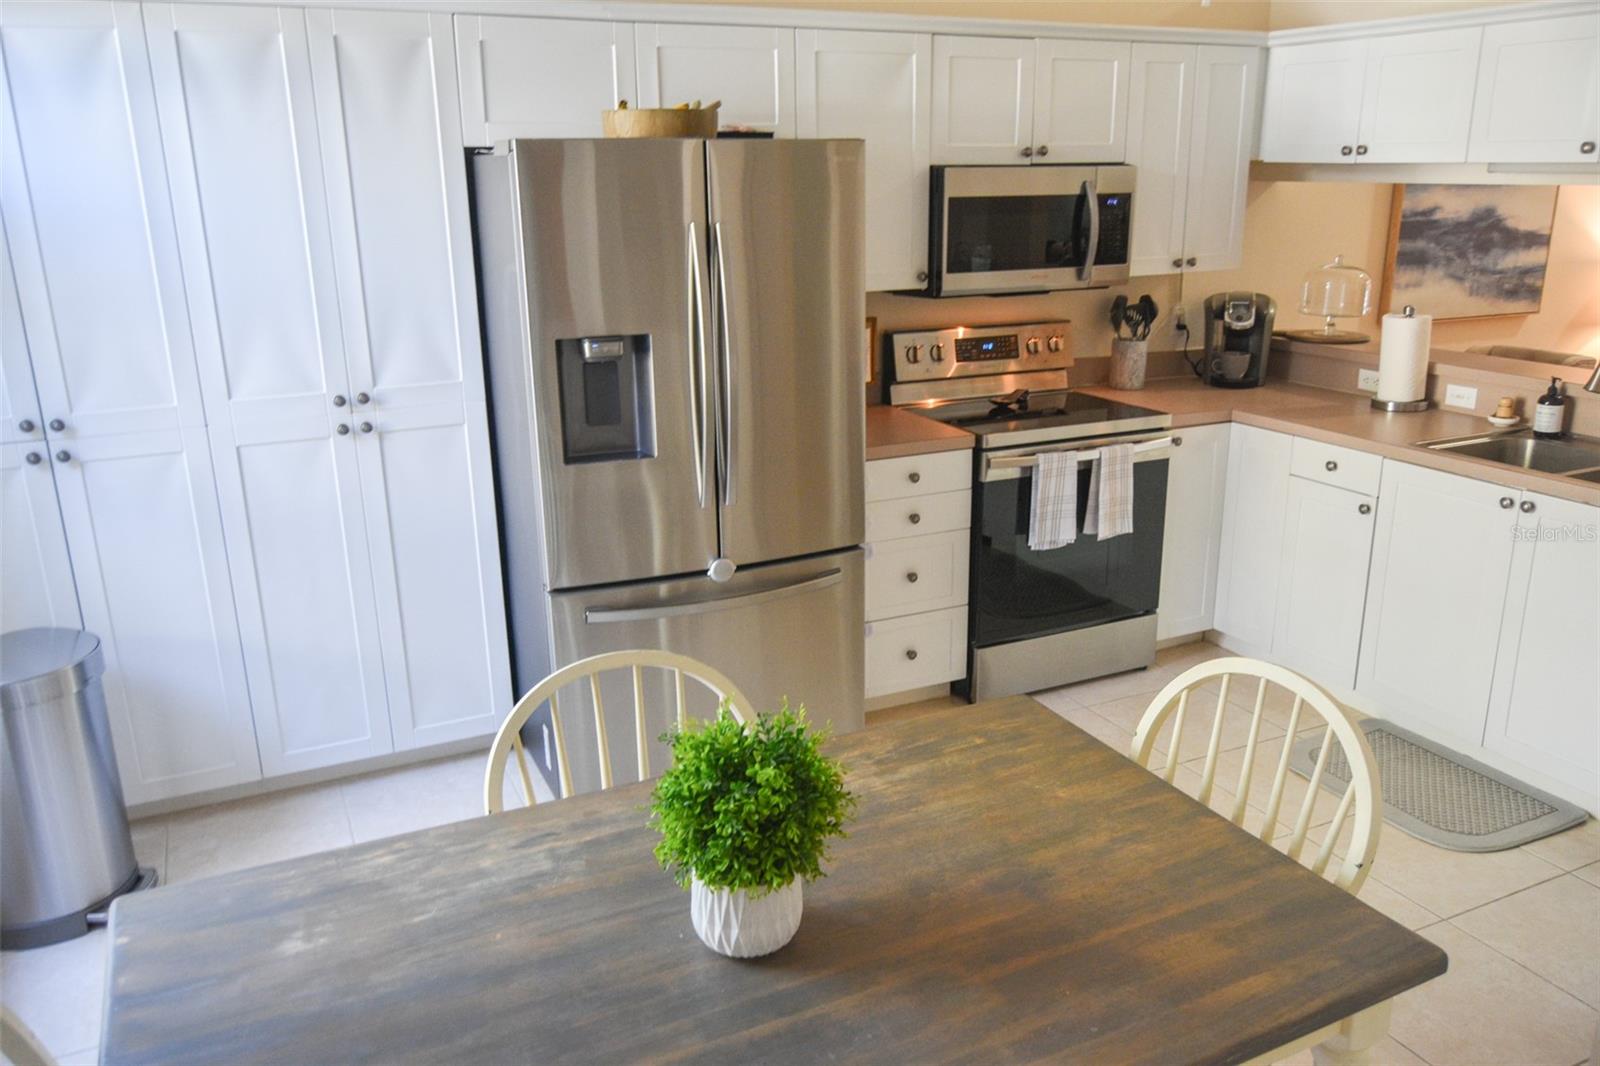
599	615
697	367
1086	271
726	436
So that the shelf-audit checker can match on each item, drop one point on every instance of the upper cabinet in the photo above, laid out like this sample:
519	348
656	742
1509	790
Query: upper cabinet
1399	98
749	68
1538	92
875	86
1191	122
535	77
999	100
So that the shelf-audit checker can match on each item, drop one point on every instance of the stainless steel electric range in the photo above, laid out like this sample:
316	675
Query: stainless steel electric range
1040	618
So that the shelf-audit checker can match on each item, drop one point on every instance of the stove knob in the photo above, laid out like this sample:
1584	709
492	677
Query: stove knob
1033	345
913	353
1055	343
936	353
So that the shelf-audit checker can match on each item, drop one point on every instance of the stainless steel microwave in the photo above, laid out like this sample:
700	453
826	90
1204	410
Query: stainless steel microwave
1013	229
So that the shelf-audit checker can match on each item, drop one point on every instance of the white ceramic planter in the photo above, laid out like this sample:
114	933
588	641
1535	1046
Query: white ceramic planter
742	926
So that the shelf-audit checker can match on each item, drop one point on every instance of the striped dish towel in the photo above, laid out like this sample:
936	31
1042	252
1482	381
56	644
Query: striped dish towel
1110	509
1054	518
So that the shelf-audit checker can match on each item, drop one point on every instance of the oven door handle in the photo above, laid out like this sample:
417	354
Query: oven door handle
1086	271
1008	467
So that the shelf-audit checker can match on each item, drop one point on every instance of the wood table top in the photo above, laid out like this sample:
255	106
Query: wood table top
1011	890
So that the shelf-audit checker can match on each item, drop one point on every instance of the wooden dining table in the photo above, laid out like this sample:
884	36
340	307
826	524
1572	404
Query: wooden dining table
1011	890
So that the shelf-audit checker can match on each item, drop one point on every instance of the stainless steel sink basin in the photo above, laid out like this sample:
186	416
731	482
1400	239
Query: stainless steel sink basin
1587	475
1522	448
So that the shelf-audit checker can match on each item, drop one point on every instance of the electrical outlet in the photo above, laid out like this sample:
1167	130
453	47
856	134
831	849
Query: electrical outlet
1179	322
1367	380
1462	396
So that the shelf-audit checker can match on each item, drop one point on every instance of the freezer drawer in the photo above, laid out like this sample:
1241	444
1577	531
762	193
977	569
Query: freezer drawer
785	629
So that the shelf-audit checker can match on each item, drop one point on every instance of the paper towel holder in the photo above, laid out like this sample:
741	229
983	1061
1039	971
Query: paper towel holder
1402	405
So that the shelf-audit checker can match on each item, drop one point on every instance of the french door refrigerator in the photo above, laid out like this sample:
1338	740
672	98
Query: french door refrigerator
673	334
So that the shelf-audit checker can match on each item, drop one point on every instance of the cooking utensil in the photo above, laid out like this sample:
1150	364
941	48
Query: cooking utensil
1119	314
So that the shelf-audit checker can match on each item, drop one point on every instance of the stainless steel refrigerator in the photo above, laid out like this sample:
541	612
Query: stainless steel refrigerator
674	333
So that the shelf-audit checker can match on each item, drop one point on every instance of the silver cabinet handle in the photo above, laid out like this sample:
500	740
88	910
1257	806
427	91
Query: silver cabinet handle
1361	149
913	477
63	456
57	425
1177	442
1365	508
342	429
1528	507
911	653
1506	503
914	518
911	576
1191	261
1330	466
596	615
1027	151
1587	148
1178	262
697	368
366	427
34	458
1345	149
362	398
1086	271
1044	150
339	400
728	451
26	425
922	275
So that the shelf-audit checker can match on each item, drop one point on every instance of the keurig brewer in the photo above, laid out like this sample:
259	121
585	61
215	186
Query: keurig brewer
1238	334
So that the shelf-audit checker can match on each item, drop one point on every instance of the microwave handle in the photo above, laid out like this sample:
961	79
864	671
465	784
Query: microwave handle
1086	271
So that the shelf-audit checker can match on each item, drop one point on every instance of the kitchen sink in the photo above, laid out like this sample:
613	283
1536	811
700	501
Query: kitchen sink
1569	455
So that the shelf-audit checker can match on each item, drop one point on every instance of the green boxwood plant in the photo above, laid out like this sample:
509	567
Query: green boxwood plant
749	807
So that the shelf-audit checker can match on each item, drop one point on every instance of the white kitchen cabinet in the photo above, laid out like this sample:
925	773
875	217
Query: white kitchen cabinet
1192	534
1397	98
749	68
538	77
1538	92
1080	107
1191	122
151	570
875	86
36	587
1322	583
914	652
20	420
84	197
1440	558
1542	706
1253	515
983	99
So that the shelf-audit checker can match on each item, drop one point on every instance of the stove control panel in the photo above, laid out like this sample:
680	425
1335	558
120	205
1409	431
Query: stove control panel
976	351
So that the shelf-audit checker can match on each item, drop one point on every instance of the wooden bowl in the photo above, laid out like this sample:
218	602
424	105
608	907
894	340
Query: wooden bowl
660	122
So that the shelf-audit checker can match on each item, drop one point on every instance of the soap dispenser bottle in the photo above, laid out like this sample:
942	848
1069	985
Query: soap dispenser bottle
1550	413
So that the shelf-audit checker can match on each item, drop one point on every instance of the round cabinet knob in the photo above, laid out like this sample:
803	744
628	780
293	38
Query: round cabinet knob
1033	345
1361	149
1506	503
57	425
26	425
1178	263
1365	508
1177	442
366	427
342	429
1054	343
911	576
1587	148
339	400
1330	466
922	275
1345	149
913	353
936	353
911	653
1191	261
362	398
913	477
1528	507
1044	150
1027	152
34	458
63	456
914	518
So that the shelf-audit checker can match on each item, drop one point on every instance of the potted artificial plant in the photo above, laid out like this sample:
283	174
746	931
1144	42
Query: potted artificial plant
745	815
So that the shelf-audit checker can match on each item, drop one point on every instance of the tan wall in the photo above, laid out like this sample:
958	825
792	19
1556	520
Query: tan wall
1220	15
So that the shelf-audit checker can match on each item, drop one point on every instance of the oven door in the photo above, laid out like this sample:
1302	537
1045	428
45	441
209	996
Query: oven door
1018	593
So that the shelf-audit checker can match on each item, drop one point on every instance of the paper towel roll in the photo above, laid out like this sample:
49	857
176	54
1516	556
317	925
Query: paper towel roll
1403	357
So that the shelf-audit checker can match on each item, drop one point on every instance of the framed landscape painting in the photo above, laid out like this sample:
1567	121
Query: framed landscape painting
1468	251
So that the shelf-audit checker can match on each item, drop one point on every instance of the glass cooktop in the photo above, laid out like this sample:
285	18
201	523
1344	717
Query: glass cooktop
1045	416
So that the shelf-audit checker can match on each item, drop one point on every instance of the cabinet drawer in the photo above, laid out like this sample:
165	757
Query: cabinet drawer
1343	468
914	475
917	574
916	651
915	516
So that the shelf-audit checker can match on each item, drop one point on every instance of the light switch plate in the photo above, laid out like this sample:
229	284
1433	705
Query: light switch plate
1462	396
1367	379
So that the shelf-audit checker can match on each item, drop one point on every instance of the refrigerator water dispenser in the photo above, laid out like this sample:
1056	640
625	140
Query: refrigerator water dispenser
607	400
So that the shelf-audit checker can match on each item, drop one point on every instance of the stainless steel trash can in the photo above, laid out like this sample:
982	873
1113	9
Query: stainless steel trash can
65	849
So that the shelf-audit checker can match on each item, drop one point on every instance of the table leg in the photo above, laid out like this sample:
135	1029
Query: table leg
1357	1033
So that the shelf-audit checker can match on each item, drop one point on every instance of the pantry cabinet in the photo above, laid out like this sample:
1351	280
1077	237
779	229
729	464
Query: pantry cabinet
1538	92
36	586
875	86
1322	584
1546	675
1253	515
1192	536
749	68
1441	554
539	77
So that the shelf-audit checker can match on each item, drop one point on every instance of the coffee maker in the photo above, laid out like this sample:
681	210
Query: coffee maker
1238	334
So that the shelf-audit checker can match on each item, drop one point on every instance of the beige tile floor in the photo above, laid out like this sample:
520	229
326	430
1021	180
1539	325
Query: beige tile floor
1522	927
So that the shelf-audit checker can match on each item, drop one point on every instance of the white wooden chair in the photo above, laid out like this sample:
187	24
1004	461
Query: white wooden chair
1360	800
508	741
18	1044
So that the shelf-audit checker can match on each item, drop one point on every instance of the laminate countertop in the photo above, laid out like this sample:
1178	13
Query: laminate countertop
893	432
1344	419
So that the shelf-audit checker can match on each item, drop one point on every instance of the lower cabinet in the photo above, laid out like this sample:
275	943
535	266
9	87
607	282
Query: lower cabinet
1546	691
1322	582
35	573
1192	536
916	651
1252	537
